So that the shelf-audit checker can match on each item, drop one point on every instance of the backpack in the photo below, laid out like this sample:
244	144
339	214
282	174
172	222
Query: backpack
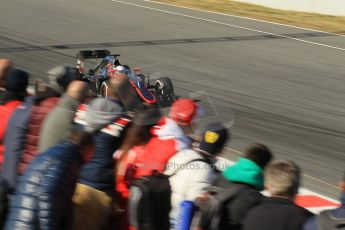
150	201
210	211
327	221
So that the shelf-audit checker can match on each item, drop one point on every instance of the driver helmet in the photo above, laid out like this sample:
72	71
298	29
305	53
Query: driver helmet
117	69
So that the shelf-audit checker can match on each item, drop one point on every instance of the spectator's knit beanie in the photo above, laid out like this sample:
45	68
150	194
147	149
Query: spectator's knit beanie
213	138
17	80
100	113
183	111
59	77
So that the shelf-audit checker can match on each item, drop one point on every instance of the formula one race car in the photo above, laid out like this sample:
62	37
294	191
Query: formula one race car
161	92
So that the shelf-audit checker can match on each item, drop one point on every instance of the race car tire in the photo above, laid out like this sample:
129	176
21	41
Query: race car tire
98	84
103	91
164	91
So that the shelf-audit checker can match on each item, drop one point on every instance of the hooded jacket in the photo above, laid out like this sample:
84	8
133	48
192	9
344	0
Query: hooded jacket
108	129
168	139
244	172
247	172
190	175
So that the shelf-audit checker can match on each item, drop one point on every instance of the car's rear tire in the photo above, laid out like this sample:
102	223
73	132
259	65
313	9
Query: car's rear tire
103	91
164	91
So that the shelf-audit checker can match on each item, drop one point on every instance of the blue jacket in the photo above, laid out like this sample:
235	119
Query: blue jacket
15	141
338	213
98	172
44	193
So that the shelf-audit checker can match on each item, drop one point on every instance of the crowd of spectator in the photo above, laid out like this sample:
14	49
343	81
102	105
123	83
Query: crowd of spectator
70	159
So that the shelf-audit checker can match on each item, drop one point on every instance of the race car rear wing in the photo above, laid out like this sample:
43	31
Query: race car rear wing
91	54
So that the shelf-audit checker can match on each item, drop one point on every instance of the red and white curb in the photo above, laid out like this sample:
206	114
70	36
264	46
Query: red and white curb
310	200
315	202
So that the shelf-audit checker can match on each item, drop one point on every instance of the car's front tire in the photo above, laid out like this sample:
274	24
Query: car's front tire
164	91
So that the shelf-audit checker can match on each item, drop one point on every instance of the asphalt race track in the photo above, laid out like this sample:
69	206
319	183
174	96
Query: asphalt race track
279	85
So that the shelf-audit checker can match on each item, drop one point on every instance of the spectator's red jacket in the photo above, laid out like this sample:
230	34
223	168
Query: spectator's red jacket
6	111
38	114
125	173
126	170
168	138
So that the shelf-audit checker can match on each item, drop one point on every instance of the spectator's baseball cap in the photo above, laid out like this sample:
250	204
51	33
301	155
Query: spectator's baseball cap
213	138
17	80
59	77
183	111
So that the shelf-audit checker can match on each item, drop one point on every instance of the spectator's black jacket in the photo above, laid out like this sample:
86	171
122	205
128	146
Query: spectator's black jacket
275	213
236	210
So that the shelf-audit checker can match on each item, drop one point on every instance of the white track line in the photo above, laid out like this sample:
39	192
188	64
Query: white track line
242	17
231	25
321	181
234	150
